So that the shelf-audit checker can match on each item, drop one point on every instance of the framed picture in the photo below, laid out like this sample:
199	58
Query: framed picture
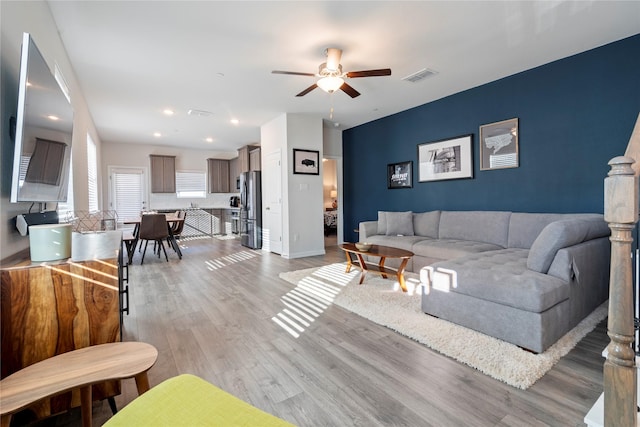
446	159
499	145
306	162
399	175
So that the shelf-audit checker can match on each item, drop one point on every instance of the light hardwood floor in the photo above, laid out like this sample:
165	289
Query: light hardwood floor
210	314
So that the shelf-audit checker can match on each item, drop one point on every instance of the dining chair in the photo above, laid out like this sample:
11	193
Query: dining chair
154	227
176	229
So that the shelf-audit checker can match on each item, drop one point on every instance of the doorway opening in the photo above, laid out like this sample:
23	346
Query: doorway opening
330	201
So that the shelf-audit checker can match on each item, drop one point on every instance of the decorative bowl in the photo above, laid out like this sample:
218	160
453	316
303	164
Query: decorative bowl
363	246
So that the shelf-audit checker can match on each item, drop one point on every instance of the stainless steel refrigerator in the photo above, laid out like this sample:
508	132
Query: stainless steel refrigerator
251	209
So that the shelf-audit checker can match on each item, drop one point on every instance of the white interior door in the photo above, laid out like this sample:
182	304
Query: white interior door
272	202
128	192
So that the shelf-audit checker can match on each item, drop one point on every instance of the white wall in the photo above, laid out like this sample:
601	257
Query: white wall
137	155
35	18
304	192
302	220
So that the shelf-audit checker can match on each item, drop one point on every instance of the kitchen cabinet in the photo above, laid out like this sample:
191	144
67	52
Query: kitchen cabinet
163	174
254	159
234	175
243	159
218	175
55	307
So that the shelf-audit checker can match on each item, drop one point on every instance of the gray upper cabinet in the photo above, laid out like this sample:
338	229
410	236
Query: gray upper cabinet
234	174
243	159
254	159
218	175
249	158
163	174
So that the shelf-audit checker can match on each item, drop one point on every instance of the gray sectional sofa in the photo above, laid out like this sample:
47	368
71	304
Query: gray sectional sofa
525	278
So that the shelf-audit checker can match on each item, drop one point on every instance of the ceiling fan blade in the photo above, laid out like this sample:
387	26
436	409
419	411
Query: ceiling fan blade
295	73
307	90
349	90
370	73
333	58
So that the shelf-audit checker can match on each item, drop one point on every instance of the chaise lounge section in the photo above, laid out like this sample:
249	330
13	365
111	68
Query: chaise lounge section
525	278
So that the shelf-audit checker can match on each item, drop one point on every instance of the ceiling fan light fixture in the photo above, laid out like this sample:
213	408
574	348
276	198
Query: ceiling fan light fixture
330	83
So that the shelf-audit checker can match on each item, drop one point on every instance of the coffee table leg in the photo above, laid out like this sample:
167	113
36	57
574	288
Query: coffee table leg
363	268
349	263
403	285
381	267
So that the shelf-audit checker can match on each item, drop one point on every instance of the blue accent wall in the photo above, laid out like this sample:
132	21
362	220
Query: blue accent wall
574	114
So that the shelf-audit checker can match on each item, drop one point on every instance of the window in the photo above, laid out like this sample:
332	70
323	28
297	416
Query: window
92	174
191	184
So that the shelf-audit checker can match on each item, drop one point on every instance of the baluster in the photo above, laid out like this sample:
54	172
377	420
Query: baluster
621	213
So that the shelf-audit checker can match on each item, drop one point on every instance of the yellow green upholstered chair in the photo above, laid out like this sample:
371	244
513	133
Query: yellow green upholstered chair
187	400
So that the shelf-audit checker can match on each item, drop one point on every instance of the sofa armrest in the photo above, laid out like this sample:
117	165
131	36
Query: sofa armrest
367	229
586	267
562	234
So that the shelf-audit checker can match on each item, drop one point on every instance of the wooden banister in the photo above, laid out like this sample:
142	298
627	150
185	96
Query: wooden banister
621	213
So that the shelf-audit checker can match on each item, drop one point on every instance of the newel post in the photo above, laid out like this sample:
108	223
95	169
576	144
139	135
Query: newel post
621	213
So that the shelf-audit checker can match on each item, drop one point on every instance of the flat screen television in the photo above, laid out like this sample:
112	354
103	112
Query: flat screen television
44	128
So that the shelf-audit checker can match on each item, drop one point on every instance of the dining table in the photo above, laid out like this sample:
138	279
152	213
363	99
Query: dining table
131	241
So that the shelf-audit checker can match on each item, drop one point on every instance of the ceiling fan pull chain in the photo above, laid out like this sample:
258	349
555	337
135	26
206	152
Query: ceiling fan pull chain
331	111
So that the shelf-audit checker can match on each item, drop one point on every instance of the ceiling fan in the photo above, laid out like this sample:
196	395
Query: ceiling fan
332	77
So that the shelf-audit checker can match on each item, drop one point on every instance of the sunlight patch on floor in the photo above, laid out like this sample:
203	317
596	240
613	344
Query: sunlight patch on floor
231	259
311	297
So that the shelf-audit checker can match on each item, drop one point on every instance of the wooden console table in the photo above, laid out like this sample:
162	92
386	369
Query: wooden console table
50	308
78	369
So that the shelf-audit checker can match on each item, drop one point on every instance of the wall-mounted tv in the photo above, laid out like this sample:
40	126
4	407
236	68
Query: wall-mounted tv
44	128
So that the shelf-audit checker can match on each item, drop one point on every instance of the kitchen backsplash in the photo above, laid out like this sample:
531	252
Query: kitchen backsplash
170	201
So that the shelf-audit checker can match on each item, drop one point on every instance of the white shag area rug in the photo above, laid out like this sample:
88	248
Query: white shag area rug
381	301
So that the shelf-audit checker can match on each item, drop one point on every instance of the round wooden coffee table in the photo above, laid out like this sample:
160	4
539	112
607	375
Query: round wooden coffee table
383	252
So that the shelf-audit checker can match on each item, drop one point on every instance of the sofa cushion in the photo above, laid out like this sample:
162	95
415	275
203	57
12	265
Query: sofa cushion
382	222
524	227
499	276
444	249
401	242
399	223
478	226
426	224
562	234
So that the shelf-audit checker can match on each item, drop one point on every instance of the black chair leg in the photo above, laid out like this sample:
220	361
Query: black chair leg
112	405
163	250
146	242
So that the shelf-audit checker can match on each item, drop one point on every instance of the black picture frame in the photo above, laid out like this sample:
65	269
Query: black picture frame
306	162
450	158
400	175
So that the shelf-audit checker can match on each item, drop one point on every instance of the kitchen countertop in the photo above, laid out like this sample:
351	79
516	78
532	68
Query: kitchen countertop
198	208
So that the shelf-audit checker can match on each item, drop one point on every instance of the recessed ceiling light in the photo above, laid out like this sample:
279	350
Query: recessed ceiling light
235	121
157	134
168	112
52	117
209	139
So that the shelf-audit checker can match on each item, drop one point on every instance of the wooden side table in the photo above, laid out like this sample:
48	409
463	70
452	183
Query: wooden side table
76	369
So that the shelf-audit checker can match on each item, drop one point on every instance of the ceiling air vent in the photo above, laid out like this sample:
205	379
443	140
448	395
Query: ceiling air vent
199	113
419	75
